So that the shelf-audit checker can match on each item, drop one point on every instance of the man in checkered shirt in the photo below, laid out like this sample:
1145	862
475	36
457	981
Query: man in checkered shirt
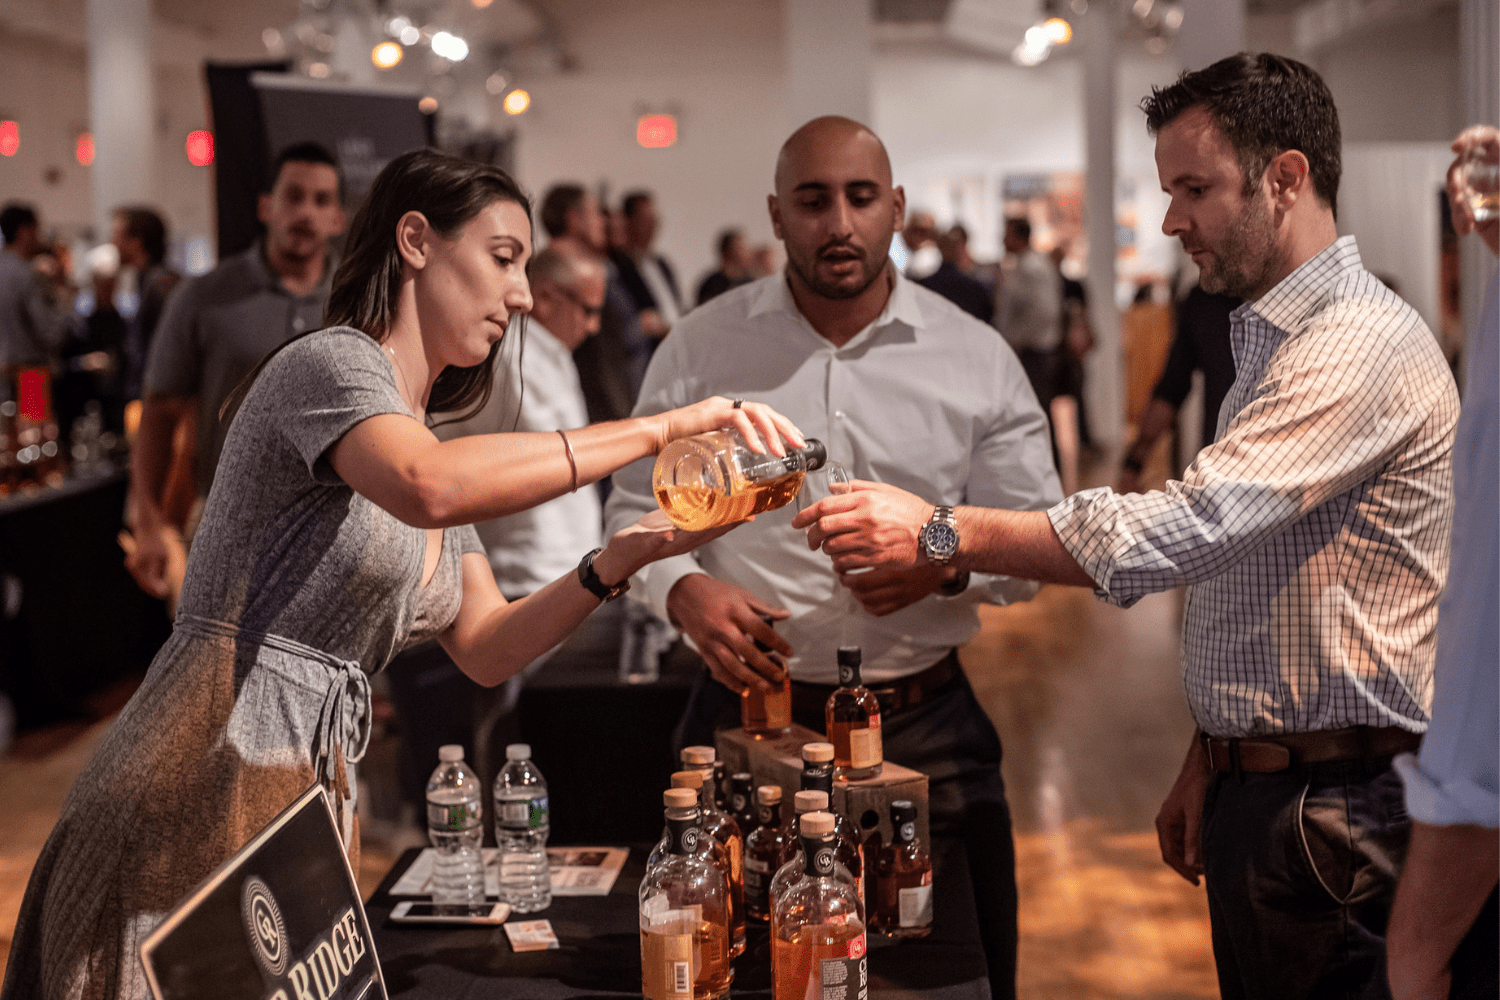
1312	536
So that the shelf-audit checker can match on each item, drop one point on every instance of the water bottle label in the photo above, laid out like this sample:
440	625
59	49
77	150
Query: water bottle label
538	815
513	813
455	816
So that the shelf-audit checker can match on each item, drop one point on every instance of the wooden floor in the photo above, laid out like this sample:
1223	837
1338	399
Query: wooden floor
1088	702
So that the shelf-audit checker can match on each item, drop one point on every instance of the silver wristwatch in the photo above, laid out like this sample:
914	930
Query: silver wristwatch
938	538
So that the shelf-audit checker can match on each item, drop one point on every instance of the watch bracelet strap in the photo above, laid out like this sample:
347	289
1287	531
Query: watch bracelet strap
589	578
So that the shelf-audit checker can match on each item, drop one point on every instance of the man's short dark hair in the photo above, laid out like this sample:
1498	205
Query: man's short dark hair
727	238
1021	227
559	203
14	217
303	152
1265	105
144	224
633	201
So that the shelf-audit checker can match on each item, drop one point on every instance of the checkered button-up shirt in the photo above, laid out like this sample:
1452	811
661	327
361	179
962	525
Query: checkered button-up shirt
1313	533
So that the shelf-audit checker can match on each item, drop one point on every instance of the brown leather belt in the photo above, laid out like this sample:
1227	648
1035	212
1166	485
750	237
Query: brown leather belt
1268	754
903	692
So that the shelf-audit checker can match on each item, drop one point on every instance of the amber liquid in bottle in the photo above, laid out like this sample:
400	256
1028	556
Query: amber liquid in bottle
684	913
763	854
903	879
852	716
767	713
698	507
721	828
818	930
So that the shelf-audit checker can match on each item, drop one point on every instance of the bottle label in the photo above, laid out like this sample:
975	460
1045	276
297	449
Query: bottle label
845	978
916	906
537	813
818	778
454	816
667	966
513	813
907	832
682	836
864	746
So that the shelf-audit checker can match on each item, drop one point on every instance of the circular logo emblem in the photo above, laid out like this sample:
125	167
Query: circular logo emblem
823	861
765	814
908	831
846	675
737	803
265	925
690	838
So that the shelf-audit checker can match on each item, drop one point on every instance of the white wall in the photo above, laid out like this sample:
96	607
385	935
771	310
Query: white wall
716	66
945	117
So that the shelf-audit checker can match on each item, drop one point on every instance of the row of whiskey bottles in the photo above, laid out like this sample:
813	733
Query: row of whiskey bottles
704	881
851	715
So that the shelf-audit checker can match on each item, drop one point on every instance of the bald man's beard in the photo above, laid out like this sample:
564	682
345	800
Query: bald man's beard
872	266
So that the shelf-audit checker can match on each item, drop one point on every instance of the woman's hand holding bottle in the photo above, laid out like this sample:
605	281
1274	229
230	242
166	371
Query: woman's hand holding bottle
762	427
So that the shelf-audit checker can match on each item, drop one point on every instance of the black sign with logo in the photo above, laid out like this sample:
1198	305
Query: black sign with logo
281	920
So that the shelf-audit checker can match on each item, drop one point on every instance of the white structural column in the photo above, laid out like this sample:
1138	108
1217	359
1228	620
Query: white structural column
828	60
1479	41
1104	382
121	105
1211	30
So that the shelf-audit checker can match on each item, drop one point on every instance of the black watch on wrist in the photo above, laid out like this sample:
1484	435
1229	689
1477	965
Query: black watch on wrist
591	582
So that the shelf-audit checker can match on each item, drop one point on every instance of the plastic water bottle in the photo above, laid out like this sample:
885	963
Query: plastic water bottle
455	824
522	822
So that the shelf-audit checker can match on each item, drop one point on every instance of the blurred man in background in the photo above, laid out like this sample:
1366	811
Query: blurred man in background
214	332
646	273
34	304
140	235
734	266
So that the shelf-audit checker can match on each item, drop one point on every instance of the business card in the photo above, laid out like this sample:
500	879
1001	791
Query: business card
531	935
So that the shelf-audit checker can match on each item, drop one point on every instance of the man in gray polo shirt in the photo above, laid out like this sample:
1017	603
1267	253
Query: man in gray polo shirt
213	334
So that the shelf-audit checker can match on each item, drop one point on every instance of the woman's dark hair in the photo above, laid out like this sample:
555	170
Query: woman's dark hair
1265	105
449	192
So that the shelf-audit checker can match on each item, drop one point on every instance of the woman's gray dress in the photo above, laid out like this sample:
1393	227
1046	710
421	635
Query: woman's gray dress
297	588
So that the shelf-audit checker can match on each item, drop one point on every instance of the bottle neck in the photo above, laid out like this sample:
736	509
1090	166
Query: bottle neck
818	778
770	817
849	675
682	832
819	855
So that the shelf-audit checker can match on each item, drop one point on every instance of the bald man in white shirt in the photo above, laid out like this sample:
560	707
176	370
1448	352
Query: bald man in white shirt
903	387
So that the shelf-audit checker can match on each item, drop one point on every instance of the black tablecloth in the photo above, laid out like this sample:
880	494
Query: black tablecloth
601	952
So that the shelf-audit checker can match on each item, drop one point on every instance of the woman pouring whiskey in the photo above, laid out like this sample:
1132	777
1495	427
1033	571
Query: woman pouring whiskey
336	533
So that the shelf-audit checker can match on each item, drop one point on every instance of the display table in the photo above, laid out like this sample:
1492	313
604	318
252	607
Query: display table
601	951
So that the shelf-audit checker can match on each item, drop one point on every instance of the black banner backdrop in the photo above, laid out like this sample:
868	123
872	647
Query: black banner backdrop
260	109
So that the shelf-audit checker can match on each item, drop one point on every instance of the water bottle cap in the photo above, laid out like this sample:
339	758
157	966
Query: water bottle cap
450	752
817	824
810	801
687	779
518	751
768	795
679	798
697	756
817	753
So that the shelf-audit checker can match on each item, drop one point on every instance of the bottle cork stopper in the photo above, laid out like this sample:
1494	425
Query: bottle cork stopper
768	795
680	798
814	753
817	824
806	802
698	756
687	779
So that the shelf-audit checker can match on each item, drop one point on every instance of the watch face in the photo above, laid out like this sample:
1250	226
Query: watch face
940	539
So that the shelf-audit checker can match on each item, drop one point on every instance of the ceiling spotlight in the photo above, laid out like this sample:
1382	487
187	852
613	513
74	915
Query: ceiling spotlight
274	43
200	147
427	105
1172	19
481	4
496	83
1058	31
386	54
450	46
656	131
318	71
396	25
517	101
410	35
83	148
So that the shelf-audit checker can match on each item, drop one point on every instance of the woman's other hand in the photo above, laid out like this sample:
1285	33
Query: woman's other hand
762	427
651	538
